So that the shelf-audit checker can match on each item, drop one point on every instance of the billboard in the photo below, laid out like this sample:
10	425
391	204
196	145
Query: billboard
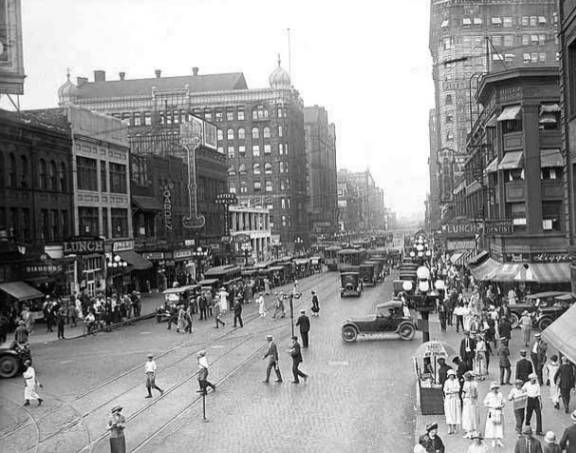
11	59
197	127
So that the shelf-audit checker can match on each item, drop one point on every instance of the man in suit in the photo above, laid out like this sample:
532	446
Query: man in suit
468	349
296	354
505	328
272	355
568	440
538	355
527	443
504	362
565	381
443	371
523	367
304	323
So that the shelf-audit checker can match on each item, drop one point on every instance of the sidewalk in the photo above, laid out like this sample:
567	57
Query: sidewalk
552	419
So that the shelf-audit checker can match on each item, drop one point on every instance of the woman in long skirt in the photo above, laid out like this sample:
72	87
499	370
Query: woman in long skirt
470	421
495	402
452	408
551	370
480	364
116	424
31	381
526	327
181	319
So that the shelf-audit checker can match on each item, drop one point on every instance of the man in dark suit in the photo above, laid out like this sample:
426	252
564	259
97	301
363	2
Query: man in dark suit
304	323
565	381
523	367
538	356
272	355
296	354
505	328
443	371
527	443
568	440
504	362
468	349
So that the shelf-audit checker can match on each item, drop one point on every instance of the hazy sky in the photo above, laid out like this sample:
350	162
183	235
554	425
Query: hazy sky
367	62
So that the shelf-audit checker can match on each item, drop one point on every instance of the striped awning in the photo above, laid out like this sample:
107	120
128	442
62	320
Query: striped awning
551	272
484	271
561	334
526	272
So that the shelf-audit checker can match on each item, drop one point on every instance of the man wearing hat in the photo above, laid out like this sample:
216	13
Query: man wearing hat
116	424
527	443
550	445
272	354
538	355
150	370
534	403
294	351
565	380
504	362
431	441
518	398
203	373
526	327
568	440
523	367
468	349
304	323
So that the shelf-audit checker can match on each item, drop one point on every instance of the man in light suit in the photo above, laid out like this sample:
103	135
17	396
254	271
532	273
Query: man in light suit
272	354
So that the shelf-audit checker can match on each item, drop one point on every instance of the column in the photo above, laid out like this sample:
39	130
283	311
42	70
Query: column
532	180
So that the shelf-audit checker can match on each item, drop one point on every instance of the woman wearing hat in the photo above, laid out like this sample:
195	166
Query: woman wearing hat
116	424
495	402
470	420
480	362
551	369
30	381
478	445
452	408
526	327
431	441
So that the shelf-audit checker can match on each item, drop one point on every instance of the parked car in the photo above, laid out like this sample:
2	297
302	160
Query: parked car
351	284
387	317
544	308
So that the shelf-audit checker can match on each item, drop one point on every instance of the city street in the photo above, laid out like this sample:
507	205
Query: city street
358	396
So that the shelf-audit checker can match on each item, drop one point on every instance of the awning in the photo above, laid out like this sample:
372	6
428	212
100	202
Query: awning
551	107
492	166
551	158
20	290
455	257
511	160
484	271
491	122
513	272
510	113
474	187
561	334
478	258
551	272
147	203
548	118
136	261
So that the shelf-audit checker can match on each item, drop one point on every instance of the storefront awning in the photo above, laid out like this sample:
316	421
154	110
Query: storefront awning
478	258
513	272
474	187
484	271
511	160
147	203
492	166
492	122
136	261
512	112
561	334
550	107
528	272
551	272
20	290
455	257
551	158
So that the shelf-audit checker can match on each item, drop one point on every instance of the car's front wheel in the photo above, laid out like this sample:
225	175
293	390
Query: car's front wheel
349	334
544	323
406	331
514	320
8	366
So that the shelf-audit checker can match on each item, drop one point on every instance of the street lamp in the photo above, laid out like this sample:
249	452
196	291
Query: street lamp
291	296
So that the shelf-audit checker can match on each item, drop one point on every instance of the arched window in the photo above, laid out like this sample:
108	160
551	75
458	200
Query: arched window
269	186
266	132
231	170
230	134
255	133
43	182
242	169
256	169
62	177
280	131
220	134
13	170
25	172
241	133
53	176
268	168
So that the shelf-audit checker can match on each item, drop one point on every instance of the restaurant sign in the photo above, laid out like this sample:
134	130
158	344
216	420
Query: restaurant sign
469	228
81	246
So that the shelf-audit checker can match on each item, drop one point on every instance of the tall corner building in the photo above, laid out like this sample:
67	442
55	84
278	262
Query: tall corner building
467	39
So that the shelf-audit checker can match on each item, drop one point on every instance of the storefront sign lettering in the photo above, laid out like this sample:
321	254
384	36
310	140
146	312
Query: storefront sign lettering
153	256
499	226
551	258
461	245
42	269
179	254
123	246
83	247
466	228
167	209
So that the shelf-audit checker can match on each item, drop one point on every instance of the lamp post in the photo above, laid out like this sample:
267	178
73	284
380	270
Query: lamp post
291	296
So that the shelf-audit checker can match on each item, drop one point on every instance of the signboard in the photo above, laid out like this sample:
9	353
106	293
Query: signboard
472	227
122	246
180	254
495	226
461	245
189	242
153	256
541	257
241	238
226	198
82	246
468	228
11	55
42	269
167	208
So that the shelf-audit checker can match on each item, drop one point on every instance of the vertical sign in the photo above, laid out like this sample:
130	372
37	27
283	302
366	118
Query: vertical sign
167	208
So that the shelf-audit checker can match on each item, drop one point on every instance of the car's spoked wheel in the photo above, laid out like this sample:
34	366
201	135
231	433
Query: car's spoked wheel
349	334
406	331
8	366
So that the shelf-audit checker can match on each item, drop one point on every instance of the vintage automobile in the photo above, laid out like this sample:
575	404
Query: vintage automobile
367	274
12	360
387	318
351	284
175	297
544	308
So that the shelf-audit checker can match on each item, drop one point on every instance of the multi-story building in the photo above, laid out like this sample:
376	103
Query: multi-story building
35	207
261	131
250	233
322	174
467	39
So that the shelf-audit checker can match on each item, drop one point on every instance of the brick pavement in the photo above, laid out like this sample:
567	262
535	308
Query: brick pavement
552	419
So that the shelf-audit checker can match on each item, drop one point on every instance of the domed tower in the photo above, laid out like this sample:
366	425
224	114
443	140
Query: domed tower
280	79
67	93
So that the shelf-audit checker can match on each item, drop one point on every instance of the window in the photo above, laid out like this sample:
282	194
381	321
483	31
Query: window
496	20
62	178
231	170
231	152
255	132
550	174
281	167
268	168
243	187
241	133
219	116
281	111
477	21
282	185
449	136
221	149
267	148
508	40
87	174
542	57
105	231
259	113
280	131
533	21
447	43
229	114
525	21
448	118
257	186
208	114
268	186
525	40
103	176
118	179
147	119
508	22
219	134
448	99
12	176
119	223
542	39
25	171
53	176
242	169
88	221
55	225
242	150
230	134
549	117
534	39
45	224
26	225
445	23
240	112
552	215
280	148
515	174
256	169
534	57
43	175
256	150
466	21
232	189
526	58
497	40
283	203
266	132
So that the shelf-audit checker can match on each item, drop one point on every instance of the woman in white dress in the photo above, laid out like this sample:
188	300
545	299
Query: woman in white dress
467	313
495	402
551	370
480	365
452	408
470	421
31	381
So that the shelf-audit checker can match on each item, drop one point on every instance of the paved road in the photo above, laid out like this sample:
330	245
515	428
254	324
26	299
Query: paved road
359	395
